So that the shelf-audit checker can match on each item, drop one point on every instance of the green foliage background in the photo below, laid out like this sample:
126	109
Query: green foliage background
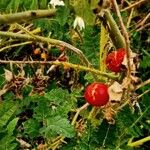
41	118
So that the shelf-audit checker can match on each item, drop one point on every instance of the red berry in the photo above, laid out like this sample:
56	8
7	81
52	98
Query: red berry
37	51
114	60
96	94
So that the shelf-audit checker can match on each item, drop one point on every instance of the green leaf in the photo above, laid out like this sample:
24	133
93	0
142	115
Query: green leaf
6	112
13	5
57	95
90	45
89	77
2	81
43	4
34	4
8	143
42	111
12	125
26	90
62	15
31	127
59	125
9	96
83	9
145	62
3	5
61	101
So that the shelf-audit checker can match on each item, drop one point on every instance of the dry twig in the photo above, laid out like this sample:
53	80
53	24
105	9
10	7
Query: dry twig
134	5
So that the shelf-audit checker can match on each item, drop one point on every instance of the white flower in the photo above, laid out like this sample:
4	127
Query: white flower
79	22
55	3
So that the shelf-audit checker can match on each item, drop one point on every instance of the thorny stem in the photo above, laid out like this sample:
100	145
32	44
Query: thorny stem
114	31
126	36
24	30
8	42
26	16
47	40
15	45
78	67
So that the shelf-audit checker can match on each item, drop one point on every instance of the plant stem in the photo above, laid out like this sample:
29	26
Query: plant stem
78	67
103	50
15	45
47	40
130	18
126	37
142	84
114	31
26	16
139	142
145	92
56	143
134	5
77	113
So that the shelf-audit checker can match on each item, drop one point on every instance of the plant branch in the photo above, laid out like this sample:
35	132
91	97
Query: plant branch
144	20
139	142
134	5
126	36
78	67
77	113
145	92
142	27
142	84
26	16
114	31
15	45
130	18
47	40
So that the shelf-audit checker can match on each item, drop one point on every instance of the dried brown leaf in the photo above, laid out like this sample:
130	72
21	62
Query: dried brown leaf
8	75
115	91
3	91
132	64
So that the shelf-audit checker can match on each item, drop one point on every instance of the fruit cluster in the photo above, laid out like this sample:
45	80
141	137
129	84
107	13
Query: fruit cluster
97	94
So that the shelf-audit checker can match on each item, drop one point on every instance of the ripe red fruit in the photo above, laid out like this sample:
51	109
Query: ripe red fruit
114	60
96	94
